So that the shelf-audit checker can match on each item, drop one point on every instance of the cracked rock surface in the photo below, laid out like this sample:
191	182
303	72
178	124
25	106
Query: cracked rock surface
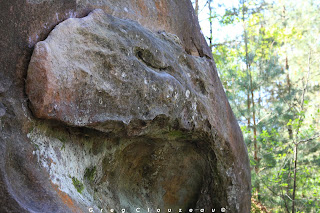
100	68
123	109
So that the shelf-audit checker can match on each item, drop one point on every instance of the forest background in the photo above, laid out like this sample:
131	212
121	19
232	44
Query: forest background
267	56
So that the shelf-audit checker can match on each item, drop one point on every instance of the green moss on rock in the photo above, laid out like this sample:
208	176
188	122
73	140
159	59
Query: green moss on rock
177	134
77	184
90	173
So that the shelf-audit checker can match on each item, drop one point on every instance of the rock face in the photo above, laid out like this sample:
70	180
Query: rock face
125	110
100	68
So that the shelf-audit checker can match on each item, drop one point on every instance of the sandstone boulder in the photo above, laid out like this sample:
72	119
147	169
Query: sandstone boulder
123	109
100	68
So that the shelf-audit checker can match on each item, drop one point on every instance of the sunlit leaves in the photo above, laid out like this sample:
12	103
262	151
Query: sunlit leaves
280	46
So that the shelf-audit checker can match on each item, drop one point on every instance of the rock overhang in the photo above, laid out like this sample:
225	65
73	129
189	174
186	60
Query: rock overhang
84	73
114	75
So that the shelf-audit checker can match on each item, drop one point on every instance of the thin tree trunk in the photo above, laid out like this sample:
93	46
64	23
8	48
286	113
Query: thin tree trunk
256	148
297	134
247	62
251	92
197	7
248	108
290	132
294	177
210	21
288	187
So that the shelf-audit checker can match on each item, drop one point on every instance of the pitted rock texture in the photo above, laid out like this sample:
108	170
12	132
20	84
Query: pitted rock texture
115	76
100	68
184	150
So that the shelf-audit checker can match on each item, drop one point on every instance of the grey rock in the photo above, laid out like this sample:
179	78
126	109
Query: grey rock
100	68
115	76
2	110
5	84
148	157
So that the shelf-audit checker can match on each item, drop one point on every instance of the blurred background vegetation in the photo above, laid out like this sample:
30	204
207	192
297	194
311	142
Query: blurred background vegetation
267	55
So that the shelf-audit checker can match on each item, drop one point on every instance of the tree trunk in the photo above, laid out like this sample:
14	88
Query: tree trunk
251	92
297	134
197	7
290	132
294	177
247	64
210	21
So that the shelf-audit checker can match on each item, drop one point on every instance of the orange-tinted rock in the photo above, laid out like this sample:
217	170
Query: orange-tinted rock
171	152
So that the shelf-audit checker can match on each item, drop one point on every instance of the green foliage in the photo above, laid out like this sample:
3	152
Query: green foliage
230	16
271	77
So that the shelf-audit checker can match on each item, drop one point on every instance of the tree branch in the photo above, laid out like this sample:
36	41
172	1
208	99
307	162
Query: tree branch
226	42
317	135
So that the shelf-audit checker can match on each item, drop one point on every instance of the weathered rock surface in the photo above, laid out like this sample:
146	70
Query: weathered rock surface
98	69
127	111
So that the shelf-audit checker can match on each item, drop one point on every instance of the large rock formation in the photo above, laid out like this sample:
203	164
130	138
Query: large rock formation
120	109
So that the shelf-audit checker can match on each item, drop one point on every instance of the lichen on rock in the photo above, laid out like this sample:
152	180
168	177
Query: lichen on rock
130	89
101	68
147	112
